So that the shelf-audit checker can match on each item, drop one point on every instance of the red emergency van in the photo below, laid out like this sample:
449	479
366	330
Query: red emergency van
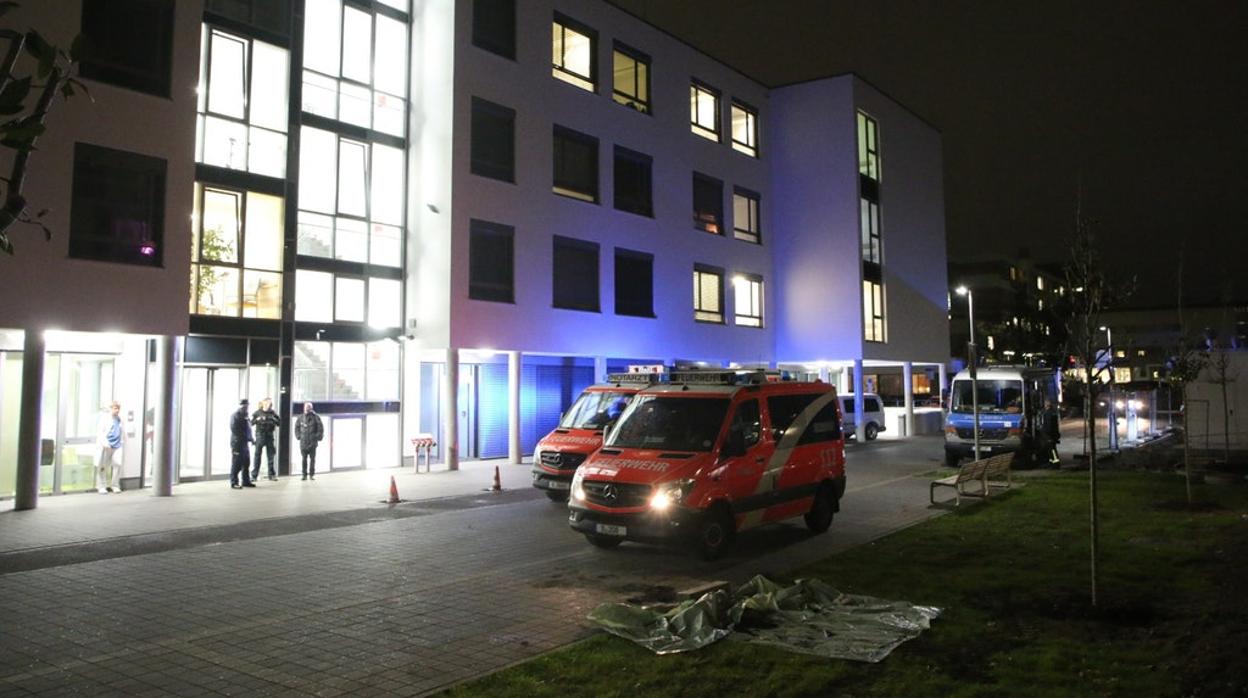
710	454
580	431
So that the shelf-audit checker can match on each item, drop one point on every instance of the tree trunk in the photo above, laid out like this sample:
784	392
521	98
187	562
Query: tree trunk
1095	528
1187	461
1223	367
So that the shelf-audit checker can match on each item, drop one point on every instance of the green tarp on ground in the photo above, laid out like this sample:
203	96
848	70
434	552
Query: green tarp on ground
808	616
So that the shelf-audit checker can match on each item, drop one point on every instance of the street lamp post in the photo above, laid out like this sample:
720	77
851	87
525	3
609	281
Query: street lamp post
1112	412
972	360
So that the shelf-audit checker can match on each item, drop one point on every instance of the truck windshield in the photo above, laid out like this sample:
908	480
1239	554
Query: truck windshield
995	396
595	410
670	423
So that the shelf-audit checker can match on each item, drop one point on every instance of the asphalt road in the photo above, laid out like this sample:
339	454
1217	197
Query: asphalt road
396	601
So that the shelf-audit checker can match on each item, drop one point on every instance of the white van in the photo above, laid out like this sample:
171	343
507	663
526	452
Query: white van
872	414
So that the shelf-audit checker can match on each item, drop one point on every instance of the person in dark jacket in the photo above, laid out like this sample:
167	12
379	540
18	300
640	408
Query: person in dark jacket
1051	423
266	421
240	438
309	431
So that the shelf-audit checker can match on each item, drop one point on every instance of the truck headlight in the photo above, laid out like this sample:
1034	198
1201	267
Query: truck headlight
578	492
670	493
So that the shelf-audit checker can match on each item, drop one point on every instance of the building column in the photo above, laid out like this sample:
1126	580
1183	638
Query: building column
944	383
168	358
907	377
600	369
860	426
823	374
513	400
450	411
29	446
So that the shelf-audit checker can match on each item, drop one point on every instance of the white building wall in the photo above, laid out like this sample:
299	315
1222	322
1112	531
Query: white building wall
84	295
817	256
912	214
540	101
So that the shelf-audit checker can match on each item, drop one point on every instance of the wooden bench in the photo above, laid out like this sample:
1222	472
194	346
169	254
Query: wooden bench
988	473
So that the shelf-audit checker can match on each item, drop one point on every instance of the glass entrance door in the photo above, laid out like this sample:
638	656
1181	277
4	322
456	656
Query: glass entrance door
76	391
346	441
209	397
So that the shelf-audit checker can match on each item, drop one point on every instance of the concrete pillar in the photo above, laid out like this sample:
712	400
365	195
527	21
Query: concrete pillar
168	360
29	447
450	409
860	426
600	369
907	377
513	401
823	374
944	383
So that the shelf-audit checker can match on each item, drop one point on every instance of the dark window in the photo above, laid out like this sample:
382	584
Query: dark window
631	78
748	422
493	140
785	408
118	210
708	204
494	26
490	269
824	426
129	43
632	182
576	165
269	15
575	274
634	283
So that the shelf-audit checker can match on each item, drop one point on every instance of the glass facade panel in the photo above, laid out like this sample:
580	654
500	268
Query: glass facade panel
314	296
348	299
382	382
348	371
243	95
385	302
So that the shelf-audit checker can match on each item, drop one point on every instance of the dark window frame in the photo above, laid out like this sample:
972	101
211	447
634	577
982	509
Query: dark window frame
111	165
573	78
870	240
696	85
483	32
481	288
698	306
561	183
564	288
481	162
639	304
154	79
754	236
643	203
747	149
711	221
737	315
867	130
632	101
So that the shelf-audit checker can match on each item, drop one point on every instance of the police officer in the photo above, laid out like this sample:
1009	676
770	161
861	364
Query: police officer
240	437
266	421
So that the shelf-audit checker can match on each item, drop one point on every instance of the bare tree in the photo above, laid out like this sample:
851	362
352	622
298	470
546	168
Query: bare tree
24	104
1187	360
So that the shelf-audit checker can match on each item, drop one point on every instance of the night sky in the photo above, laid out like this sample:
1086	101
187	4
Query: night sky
1142	105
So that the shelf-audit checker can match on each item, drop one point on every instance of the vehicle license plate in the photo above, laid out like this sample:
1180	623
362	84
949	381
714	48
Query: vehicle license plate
559	485
609	530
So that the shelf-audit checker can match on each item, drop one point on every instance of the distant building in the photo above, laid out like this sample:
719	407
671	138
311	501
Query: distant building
447	218
1016	309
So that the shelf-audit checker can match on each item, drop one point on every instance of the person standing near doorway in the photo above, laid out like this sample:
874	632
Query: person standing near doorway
309	431
266	422
1051	422
240	438
110	437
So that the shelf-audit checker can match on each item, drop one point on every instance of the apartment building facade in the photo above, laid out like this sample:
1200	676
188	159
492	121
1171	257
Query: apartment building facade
446	217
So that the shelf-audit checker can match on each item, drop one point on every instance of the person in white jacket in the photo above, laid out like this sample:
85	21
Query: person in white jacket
109	437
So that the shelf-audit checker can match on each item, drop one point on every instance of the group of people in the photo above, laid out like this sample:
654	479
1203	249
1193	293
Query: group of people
309	430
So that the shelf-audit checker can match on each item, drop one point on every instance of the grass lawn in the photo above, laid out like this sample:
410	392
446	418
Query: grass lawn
1012	577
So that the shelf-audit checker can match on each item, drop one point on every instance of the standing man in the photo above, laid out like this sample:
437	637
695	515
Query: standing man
240	437
309	431
1052	425
266	421
109	437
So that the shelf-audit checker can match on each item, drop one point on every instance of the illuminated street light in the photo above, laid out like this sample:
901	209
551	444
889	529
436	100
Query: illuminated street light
972	360
1109	362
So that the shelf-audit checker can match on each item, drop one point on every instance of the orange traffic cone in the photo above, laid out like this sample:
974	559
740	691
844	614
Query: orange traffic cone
498	485
394	492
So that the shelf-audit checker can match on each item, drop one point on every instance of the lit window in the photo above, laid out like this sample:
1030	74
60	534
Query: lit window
868	147
704	111
351	198
242	104
748	300
1141	352
745	225
1120	354
1039	283
326	297
348	299
574	55
869	222
236	253
632	78
1039	304
355	66
991	343
744	129
708	294
873	311
708	204
345	371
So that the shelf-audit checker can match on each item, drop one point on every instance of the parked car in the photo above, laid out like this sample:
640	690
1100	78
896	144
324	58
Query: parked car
710	454
872	415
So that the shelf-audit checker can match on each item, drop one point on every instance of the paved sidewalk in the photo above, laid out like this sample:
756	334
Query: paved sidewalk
76	518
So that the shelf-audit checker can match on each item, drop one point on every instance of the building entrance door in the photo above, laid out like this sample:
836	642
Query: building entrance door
209	397
76	391
346	442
